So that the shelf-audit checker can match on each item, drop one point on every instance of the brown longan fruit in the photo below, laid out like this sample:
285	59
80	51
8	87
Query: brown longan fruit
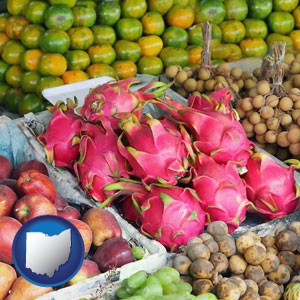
266	112
234	87
182	92
196	93
249	83
252	92
246	104
240	83
172	70
294	135
287	85
181	77
263	87
257	72
245	75
254	117
294	149
285	103
296	80
272	100
236	72
298	120
260	138
209	85
223	68
189	70
190	84
258	101
248	127
200	86
272	123
286	119
295	67
260	128
282	140
289	57
294	94
271	136
295	113
297	57
240	112
203	74
296	104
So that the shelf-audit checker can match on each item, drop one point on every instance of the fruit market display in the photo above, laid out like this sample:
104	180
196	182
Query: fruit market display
50	43
112	147
27	192
216	265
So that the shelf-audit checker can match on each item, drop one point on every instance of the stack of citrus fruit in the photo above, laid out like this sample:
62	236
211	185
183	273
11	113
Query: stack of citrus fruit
55	42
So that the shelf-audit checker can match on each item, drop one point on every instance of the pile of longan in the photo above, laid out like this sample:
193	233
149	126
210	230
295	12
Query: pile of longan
247	267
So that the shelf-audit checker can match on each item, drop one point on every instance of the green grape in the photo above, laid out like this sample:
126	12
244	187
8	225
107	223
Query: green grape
206	296
184	288
152	280
150	291
121	293
138	252
170	288
173	297
135	298
130	291
166	275
137	279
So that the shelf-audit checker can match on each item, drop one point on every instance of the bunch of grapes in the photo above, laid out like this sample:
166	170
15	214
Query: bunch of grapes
163	284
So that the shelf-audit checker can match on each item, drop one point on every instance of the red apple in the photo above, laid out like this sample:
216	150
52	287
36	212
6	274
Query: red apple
6	167
113	253
30	165
34	182
88	269
25	290
7	199
12	183
60	202
86	233
31	206
103	223
7	276
8	229
68	212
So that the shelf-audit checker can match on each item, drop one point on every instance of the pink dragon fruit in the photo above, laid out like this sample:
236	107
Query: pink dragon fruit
217	134
219	100
171	215
62	136
155	150
221	191
116	100
100	162
271	186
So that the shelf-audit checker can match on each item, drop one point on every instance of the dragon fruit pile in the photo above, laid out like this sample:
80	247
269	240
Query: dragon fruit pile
170	175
